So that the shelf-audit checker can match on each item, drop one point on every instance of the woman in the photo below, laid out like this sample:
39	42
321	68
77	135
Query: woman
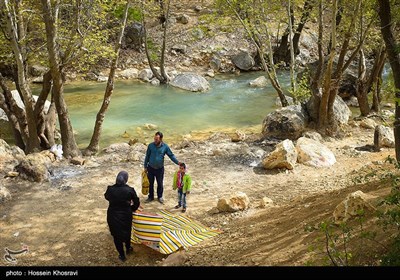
123	200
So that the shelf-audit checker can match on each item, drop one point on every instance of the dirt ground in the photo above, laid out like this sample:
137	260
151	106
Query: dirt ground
63	222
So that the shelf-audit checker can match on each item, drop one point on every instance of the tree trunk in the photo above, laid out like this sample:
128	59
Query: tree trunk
323	109
15	30
162	18
338	19
376	82
280	53
372	84
50	125
146	49
342	65
308	6
362	89
162	60
40	114
94	142
394	60
270	71
291	48
283	52
315	82
70	149
12	118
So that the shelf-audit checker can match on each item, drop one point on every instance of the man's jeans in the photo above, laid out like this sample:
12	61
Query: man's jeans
158	174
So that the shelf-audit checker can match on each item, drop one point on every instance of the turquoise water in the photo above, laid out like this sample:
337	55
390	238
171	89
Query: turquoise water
230	104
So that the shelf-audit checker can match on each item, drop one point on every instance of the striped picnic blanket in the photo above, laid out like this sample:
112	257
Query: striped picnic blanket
167	232
146	229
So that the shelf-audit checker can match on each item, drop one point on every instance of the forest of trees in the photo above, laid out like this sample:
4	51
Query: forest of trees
73	35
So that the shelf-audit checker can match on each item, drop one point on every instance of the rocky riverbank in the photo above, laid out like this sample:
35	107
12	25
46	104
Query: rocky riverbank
63	219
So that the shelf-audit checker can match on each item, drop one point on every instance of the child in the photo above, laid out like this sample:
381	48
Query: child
183	183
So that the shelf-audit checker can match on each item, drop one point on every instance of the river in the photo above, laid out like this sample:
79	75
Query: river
138	110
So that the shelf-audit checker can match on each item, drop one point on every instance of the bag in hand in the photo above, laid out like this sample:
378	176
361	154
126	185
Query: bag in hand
145	183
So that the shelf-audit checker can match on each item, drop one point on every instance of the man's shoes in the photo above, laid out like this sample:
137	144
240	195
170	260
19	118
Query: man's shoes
161	200
129	250
183	210
122	258
177	206
149	200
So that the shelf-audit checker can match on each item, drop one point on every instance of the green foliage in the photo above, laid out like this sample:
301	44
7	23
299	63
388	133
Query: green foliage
222	23
86	33
340	244
255	15
364	178
5	50
94	49
344	244
153	50
333	243
208	18
303	90
34	38
199	32
392	258
134	13
388	88
390	215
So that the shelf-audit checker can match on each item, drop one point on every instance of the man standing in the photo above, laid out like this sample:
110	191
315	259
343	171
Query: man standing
154	165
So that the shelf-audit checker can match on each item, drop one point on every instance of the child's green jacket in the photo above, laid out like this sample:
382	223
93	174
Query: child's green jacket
187	182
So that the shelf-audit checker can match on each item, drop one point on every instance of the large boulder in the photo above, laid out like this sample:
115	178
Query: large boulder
313	153
21	104
8	152
341	112
383	137
348	81
145	75
34	167
243	61
285	123
131	73
259	82
37	70
9	156
278	102
237	202
368	123
215	63
134	36
356	203
183	18
191	82
284	156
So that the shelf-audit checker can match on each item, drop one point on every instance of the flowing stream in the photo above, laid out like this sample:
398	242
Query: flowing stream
138	110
